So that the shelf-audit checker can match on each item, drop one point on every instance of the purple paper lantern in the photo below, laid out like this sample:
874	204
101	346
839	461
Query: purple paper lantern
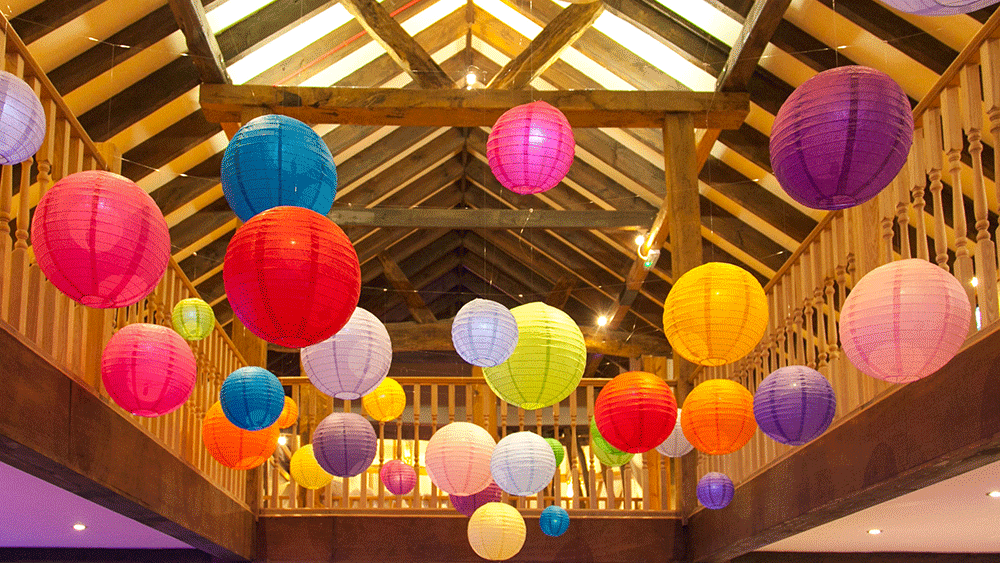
344	444
794	405
22	120
467	504
938	7
841	137
715	490
530	148
398	477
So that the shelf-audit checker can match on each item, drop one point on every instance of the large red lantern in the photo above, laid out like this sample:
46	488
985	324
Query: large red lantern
292	276
635	411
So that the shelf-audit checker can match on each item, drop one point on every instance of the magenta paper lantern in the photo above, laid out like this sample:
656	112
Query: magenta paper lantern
530	148
398	477
904	320
344	444
148	369
100	239
841	137
467	504
938	7
22	120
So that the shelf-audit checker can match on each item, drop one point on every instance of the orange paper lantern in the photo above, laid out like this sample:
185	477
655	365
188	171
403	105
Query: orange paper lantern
718	416
289	414
234	447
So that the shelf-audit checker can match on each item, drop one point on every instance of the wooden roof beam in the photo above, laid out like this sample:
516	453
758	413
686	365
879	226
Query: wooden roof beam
561	291
203	48
489	218
414	302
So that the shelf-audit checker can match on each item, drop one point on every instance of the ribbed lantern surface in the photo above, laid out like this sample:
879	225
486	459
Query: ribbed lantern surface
715	490
557	450
344	444
386	402
306	471
718	416
554	521
289	414
351	363
292	276
458	458
635	411
530	148
193	319
938	7
605	452
22	120
234	447
252	398
467	504
794	405
484	333
398	477
496	531
100	239
148	369
523	463
676	444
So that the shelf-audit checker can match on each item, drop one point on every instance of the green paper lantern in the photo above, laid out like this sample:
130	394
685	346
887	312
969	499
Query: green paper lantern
557	448
193	318
547	363
605	452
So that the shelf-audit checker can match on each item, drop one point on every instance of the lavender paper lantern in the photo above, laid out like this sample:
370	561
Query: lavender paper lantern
467	504
523	463
904	320
398	477
351	363
530	148
458	458
794	405
344	444
841	137
22	120
938	7
484	333
676	444
147	369
715	490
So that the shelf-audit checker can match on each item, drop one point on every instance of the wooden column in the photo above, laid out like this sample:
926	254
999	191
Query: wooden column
253	348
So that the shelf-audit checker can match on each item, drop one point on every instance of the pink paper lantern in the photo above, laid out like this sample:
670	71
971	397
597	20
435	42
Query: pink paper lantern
148	369
458	458
398	477
530	148
904	320
100	239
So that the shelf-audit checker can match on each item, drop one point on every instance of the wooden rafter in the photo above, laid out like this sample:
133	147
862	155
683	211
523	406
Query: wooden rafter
560	292
203	49
405	287
488	218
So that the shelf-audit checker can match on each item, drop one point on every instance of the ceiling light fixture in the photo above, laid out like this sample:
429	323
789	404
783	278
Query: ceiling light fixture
602	320
639	239
282	440
79	527
993	494
471	78
974	282
874	532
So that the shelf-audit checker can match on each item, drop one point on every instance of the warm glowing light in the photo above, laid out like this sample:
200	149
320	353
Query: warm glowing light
639	239
874	532
470	79
79	527
602	320
974	281
993	494
282	440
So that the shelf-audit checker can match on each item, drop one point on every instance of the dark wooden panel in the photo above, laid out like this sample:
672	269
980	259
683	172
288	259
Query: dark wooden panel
167	145
182	189
783	557
71	555
36	22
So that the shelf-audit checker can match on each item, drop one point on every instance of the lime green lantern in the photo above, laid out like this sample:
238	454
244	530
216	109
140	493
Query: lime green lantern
557	449
605	452
193	319
547	363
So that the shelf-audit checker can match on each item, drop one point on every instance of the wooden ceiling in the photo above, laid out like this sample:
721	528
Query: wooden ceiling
123	69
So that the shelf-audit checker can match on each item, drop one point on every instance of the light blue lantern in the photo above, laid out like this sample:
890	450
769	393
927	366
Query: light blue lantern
523	463
484	333
252	398
554	521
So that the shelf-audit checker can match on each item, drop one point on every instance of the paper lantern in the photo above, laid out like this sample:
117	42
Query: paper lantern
234	447
794	405
522	463
557	450
354	361
344	444
496	531
148	369
458	458
554	521
715	490
386	402
938	7
277	160
605	452
22	120
252	398
398	477
292	276
715	314
635	411
676	445
547	363
193	319
841	137
306	471
289	414
100	239
468	504
904	320
530	148
718	416
484	333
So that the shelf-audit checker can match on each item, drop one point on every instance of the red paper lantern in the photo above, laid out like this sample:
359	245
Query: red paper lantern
635	411
100	239
148	369
292	276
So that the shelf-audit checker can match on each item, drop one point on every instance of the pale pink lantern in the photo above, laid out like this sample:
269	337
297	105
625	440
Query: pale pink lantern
458	458
398	477
148	369
530	148
904	320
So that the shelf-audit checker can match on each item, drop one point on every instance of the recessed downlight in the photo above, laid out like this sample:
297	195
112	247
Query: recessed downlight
993	494
874	532
79	527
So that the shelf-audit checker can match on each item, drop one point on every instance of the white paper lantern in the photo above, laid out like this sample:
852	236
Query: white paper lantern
938	7
676	444
351	363
523	463
496	531
458	458
484	333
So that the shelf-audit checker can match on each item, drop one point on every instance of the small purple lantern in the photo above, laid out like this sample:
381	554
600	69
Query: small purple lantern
344	444
938	7
22	120
398	477
841	137
469	503
530	148
794	405
715	490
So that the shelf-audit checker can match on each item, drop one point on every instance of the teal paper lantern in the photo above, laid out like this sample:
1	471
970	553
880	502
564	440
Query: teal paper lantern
252	398
554	521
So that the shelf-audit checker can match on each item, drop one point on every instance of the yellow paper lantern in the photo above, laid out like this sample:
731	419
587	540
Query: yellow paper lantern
718	416
289	414
496	531
386	402
306	470
193	319
715	314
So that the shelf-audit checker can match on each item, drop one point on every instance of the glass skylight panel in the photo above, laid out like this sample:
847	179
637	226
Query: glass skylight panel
227	13
707	17
511	17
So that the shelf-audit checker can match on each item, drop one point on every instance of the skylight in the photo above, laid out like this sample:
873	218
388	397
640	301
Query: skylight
707	17
229	12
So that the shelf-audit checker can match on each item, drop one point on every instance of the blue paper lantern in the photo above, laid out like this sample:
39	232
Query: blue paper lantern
252	398
277	160
715	490
523	463
484	333
554	521
794	405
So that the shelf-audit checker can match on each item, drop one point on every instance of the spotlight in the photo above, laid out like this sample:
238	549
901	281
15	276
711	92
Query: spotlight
79	527
639	239
282	440
874	532
602	320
